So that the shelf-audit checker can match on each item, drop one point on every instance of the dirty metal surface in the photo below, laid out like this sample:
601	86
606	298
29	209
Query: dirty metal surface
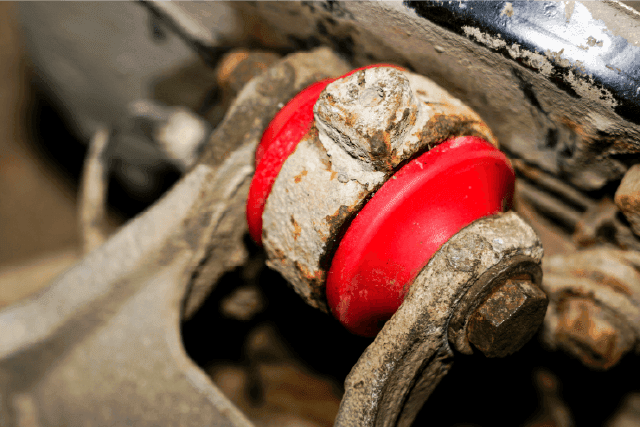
556	82
366	126
584	219
279	83
558	96
574	30
594	308
572	132
502	324
107	331
628	197
414	351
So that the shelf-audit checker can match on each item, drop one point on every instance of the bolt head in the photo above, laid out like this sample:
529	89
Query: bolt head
508	318
591	333
368	113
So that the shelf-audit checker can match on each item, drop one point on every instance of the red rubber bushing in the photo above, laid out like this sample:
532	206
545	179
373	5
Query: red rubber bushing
278	141
402	226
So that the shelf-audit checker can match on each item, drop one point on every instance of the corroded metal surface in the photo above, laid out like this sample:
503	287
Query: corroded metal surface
533	91
594	309
247	118
401	368
107	331
508	318
593	333
569	129
368	114
366	126
628	197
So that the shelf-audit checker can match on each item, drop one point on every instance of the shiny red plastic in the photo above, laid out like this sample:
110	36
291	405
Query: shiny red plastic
393	237
413	214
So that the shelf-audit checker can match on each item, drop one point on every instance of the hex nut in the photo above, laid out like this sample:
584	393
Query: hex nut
508	318
368	114
591	333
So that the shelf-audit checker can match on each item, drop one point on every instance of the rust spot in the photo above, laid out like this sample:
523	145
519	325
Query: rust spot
280	256
586	330
421	92
413	116
296	228
313	276
575	127
298	177
333	175
597	138
444	126
336	220
316	280
440	127
337	225
329	98
278	253
628	203
508	318
380	144
521	276
348	118
408	116
237	68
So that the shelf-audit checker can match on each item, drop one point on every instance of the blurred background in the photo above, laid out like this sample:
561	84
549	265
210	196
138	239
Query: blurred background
273	373
38	223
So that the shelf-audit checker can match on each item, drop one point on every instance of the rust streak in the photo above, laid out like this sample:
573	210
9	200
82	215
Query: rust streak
296	228
298	177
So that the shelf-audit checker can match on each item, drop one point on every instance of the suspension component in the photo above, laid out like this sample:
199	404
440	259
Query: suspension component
398	372
594	307
360	180
280	139
161	264
397	232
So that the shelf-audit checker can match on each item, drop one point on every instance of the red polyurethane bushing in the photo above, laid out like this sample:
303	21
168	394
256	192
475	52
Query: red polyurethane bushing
278	141
409	218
